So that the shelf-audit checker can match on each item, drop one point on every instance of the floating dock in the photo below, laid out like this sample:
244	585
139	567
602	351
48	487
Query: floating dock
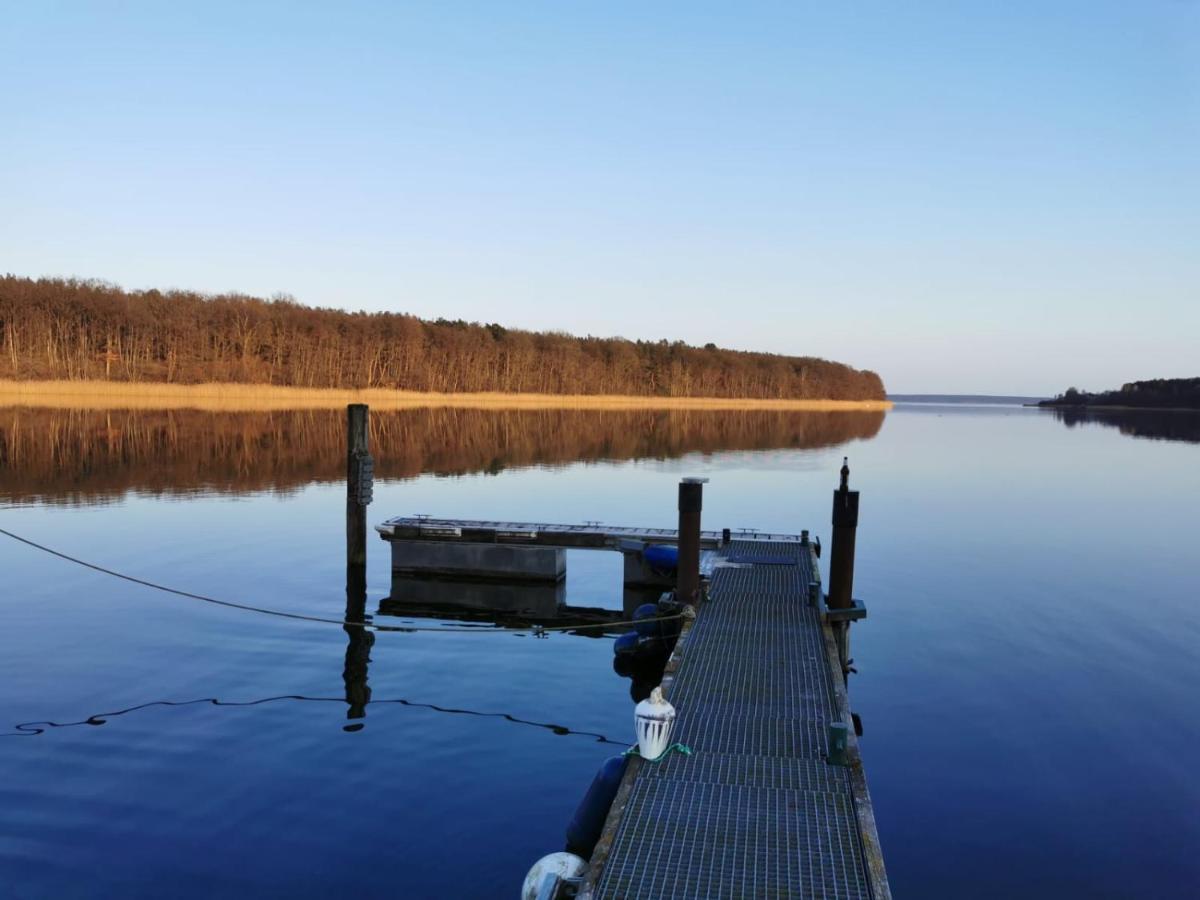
764	806
772	800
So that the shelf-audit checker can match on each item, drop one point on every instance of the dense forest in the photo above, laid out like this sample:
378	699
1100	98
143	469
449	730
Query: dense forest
93	456
88	330
1161	393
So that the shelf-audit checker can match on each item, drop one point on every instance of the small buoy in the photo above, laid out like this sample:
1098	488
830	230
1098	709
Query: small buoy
564	865
652	719
625	643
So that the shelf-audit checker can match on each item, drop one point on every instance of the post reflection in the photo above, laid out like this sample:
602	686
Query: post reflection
359	641
510	604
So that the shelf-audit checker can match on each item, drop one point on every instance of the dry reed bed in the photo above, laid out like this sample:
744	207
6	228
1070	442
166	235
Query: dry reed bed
256	398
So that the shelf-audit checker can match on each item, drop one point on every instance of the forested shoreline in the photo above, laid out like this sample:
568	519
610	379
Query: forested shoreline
89	330
1159	393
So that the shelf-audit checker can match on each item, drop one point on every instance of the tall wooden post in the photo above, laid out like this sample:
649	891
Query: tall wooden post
357	418
691	500
841	556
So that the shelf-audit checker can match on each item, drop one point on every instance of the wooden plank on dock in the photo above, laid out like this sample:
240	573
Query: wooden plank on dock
756	810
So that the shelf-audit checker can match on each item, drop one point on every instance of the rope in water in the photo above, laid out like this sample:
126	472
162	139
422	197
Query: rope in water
535	629
32	729
683	749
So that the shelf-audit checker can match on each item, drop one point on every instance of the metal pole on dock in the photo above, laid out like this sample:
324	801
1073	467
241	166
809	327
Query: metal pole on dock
841	555
691	500
358	484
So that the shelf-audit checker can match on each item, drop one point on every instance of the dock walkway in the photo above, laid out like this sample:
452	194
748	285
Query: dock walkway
757	810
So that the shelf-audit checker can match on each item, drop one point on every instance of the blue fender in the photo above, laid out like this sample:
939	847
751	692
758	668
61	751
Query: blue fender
625	644
588	821
662	557
647	629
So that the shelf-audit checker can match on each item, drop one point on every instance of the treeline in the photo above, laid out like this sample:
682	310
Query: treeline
90	330
91	456
1160	393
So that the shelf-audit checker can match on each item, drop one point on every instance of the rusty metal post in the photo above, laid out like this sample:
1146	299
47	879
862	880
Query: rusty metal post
357	418
691	500
841	557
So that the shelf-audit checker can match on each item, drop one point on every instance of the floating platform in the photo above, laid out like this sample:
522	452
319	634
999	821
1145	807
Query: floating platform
764	806
513	552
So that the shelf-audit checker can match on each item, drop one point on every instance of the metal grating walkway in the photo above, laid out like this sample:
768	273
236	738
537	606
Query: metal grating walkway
755	811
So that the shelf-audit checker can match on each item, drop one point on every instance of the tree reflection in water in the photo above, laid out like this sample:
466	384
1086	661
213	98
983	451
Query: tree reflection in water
1154	424
94	456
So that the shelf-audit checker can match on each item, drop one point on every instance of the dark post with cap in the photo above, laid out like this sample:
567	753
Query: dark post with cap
691	500
841	555
356	510
841	558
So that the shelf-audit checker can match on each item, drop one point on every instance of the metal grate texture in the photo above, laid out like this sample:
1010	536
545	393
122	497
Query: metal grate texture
755	811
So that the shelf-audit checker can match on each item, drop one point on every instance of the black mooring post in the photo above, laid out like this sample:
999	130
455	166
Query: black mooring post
357	415
691	500
841	556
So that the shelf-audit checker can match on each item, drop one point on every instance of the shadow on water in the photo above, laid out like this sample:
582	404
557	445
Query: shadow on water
1153	424
510	604
355	677
72	457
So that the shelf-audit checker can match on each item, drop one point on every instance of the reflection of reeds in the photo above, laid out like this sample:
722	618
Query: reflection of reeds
77	456
251	397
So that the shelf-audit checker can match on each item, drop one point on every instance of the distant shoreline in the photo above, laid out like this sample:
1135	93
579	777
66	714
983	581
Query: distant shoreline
965	399
1101	407
225	396
1163	394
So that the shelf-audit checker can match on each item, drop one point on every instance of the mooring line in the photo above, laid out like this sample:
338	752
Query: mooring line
533	629
32	729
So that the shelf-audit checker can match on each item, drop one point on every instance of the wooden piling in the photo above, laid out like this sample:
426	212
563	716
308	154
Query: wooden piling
841	557
357	419
691	500
358	639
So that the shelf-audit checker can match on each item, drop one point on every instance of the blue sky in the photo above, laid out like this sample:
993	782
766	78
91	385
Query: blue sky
965	197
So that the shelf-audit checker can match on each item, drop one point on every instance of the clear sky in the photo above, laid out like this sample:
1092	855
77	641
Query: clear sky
963	196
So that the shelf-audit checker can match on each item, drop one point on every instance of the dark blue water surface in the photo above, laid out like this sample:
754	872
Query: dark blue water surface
1029	675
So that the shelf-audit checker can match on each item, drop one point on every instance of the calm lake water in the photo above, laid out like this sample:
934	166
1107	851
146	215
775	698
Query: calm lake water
1029	675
